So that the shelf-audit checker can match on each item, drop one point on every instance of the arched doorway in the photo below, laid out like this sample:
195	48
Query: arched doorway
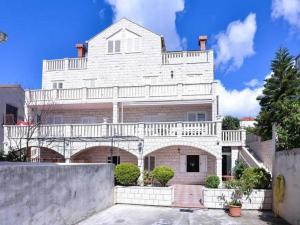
104	154
191	165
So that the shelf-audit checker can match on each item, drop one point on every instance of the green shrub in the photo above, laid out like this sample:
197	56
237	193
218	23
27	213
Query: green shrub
232	184
212	181
230	123
127	174
239	169
163	174
257	178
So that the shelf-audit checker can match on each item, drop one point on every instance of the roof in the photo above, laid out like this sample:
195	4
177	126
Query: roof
247	119
10	86
119	22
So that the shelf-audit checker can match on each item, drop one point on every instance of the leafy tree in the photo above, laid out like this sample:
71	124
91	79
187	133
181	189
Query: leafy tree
280	90
230	123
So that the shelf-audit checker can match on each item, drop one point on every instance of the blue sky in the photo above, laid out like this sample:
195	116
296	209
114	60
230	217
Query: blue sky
244	34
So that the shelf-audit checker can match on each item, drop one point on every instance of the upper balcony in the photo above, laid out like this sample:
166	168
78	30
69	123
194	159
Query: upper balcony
168	58
186	57
171	92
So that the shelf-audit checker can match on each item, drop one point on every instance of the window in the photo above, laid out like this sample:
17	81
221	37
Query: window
149	163
88	119
117	46
55	120
89	83
196	116
11	115
192	163
57	85
113	159
110	46
114	46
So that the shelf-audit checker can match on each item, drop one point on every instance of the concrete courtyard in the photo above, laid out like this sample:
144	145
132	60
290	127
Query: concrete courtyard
147	215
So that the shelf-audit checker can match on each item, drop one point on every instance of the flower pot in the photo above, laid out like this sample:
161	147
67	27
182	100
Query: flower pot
234	211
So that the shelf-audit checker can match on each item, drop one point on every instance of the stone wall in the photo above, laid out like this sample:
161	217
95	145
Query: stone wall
158	196
53	194
262	149
287	163
216	199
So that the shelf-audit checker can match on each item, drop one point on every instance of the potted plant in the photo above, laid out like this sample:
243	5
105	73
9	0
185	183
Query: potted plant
235	205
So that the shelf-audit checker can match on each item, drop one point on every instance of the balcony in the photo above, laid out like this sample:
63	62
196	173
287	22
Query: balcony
65	64
123	93
188	57
141	130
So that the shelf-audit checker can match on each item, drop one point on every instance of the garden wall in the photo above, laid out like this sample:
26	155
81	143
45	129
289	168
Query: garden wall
215	198
53	194
264	150
158	196
287	163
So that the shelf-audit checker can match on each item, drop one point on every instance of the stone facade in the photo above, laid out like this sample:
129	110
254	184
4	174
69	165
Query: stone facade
217	198
127	92
158	196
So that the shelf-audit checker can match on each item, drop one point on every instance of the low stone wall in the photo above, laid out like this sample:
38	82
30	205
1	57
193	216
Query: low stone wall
158	196
287	164
216	199
53	194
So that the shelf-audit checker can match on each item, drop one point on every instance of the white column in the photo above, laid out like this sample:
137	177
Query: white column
141	167
234	157
219	167
115	112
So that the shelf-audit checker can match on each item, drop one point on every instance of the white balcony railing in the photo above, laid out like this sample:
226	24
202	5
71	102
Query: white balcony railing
146	91
234	136
140	130
65	64
170	129
186	57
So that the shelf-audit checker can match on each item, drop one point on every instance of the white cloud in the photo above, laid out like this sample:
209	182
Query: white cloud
289	10
157	15
236	43
239	103
253	83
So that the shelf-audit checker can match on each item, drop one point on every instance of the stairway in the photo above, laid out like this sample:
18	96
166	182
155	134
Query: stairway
187	196
250	159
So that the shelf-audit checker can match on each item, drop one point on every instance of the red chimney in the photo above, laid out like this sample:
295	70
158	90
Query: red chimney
202	42
81	50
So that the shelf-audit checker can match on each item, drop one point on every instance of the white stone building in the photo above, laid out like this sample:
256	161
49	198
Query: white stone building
11	106
126	99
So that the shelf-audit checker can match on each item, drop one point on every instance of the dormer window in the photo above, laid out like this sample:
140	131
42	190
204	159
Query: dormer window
114	46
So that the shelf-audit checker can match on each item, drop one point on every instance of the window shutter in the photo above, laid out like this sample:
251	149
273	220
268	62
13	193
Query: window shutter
110	46
182	162
203	163
117	46
192	117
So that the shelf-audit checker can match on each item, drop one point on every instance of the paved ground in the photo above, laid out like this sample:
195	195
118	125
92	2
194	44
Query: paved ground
147	215
187	196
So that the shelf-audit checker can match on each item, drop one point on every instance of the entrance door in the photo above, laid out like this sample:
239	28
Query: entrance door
226	161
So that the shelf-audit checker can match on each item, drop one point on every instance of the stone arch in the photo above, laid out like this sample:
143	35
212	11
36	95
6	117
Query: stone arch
42	154
176	156
100	154
200	146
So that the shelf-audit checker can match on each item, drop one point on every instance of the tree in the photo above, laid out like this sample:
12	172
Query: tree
230	123
281	91
32	134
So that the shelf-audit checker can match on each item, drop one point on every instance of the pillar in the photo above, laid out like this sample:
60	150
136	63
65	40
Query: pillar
141	167
234	157
219	168
115	112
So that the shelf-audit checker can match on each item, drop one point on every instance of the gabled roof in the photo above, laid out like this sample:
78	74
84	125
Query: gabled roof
119	21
